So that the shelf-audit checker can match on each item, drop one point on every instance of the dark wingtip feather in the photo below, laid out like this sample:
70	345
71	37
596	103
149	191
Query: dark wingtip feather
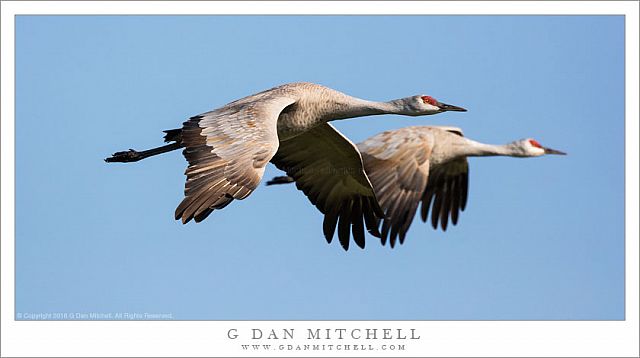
344	226
383	240
435	210
455	202
446	205
359	240
373	231
329	225
377	209
203	215
426	203
357	227
465	190
394	234
369	219
385	230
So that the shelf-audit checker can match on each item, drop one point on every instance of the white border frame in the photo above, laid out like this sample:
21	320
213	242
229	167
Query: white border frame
209	338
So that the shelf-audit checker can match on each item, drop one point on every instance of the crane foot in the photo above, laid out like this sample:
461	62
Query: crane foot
280	180
125	157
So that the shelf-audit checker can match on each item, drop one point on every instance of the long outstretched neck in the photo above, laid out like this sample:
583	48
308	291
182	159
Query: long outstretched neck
476	149
353	107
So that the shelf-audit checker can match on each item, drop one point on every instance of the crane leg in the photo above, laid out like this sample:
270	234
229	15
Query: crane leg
134	156
280	180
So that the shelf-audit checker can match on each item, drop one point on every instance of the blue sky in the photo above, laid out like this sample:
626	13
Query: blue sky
541	238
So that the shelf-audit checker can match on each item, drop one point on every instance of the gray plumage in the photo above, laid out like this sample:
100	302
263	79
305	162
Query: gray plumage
416	165
228	149
427	166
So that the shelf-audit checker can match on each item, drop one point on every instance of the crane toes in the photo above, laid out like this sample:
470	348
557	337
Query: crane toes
124	157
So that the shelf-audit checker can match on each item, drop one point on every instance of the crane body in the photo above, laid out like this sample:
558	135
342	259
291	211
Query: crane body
229	147
427	166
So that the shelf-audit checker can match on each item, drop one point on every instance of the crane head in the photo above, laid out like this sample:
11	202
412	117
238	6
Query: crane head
421	105
434	104
530	147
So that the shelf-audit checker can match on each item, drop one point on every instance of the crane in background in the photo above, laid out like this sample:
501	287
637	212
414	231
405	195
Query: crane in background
425	165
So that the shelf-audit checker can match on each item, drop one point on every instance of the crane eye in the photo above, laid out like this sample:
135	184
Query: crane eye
535	143
429	100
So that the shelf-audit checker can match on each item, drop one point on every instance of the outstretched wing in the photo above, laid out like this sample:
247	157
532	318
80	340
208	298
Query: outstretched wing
397	163
446	193
327	167
227	150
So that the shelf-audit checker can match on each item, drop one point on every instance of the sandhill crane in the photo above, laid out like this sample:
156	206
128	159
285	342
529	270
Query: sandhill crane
229	147
428	165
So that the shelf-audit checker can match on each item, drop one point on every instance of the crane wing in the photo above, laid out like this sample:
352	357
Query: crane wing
327	167
227	150
397	163
398	167
446	193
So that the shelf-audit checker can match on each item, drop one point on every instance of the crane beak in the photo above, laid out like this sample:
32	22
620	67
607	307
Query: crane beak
553	151
447	107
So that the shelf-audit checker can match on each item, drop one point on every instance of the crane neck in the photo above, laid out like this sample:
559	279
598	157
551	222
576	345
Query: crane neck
477	149
356	107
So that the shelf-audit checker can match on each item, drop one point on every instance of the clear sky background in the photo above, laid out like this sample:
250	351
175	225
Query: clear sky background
541	238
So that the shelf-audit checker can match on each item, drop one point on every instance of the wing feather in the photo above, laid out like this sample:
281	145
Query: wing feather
227	150
450	189
399	166
358	227
328	168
